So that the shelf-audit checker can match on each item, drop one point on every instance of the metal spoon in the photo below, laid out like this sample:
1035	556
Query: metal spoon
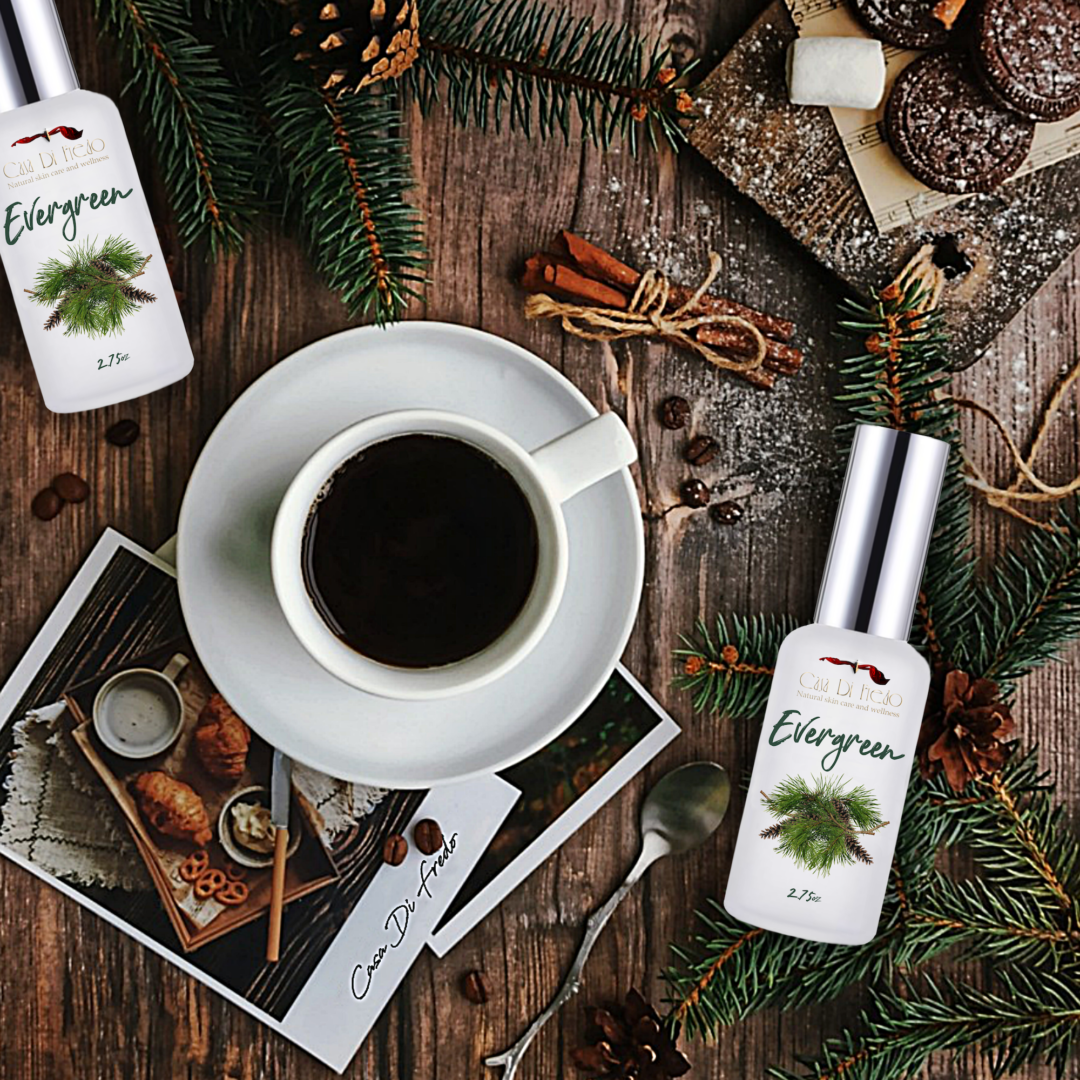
682	811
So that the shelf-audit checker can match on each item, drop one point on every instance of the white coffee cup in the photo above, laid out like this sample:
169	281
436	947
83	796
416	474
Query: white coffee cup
139	712
547	477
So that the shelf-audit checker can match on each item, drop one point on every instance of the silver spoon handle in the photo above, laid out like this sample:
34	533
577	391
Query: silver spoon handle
510	1059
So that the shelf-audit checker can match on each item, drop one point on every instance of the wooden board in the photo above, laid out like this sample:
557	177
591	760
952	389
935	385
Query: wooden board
791	161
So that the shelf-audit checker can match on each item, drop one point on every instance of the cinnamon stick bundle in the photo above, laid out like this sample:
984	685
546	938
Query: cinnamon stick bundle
581	272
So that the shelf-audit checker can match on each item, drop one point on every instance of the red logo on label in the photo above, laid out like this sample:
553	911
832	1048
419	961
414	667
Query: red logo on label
839	662
62	129
875	674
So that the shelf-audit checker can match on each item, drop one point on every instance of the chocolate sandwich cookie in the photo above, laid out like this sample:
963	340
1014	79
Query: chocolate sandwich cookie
908	23
1027	52
947	130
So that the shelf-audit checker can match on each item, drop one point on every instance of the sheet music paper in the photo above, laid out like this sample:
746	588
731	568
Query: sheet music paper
893	195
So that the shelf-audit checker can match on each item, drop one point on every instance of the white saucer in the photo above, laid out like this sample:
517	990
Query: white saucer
228	598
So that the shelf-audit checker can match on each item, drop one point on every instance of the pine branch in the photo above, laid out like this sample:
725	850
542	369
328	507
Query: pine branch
1012	914
730	673
527	63
1037	1019
697	1009
205	138
1029	607
346	171
89	290
1023	907
1042	854
1016	832
924	830
986	921
730	970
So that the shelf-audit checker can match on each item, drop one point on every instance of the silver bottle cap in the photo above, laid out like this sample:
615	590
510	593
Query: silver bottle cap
34	60
882	532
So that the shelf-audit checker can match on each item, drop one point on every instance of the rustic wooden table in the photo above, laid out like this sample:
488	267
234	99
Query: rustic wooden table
78	998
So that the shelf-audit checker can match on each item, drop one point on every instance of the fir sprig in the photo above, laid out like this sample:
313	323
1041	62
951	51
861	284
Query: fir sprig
730	671
1030	604
1013	913
205	137
531	66
347	170
1037	1017
88	289
986	922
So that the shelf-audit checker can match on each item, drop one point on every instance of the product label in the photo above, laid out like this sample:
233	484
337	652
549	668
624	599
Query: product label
829	781
81	253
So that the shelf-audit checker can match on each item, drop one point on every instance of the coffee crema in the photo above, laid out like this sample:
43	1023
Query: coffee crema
420	551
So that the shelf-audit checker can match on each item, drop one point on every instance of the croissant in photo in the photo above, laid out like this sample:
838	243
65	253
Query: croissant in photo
172	807
221	740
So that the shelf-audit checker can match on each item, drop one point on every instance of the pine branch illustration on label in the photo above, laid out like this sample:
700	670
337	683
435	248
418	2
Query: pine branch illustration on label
90	289
821	824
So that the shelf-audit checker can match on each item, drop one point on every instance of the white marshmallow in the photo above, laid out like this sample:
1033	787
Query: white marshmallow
848	72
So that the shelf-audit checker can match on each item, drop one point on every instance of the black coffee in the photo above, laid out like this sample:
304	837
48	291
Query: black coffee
422	551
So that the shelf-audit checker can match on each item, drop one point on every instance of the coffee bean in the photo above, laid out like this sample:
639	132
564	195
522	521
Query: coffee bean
695	493
727	512
683	50
428	836
46	504
71	487
122	433
395	849
674	413
475	987
701	450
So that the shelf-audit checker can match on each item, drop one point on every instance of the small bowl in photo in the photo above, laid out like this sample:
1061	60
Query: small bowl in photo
240	852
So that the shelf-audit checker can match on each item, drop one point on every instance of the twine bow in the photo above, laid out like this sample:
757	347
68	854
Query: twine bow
1003	498
929	280
647	316
921	282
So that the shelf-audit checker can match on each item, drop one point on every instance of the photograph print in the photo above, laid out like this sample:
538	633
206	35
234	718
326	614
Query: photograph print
174	843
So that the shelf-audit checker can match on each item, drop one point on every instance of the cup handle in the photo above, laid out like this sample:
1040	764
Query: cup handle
175	666
584	456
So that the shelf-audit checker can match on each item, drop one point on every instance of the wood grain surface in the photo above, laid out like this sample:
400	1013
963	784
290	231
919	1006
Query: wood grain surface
79	999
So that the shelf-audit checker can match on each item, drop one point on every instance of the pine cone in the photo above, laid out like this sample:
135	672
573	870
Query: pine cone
857	851
771	832
102	267
629	1042
137	295
53	320
963	729
350	44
